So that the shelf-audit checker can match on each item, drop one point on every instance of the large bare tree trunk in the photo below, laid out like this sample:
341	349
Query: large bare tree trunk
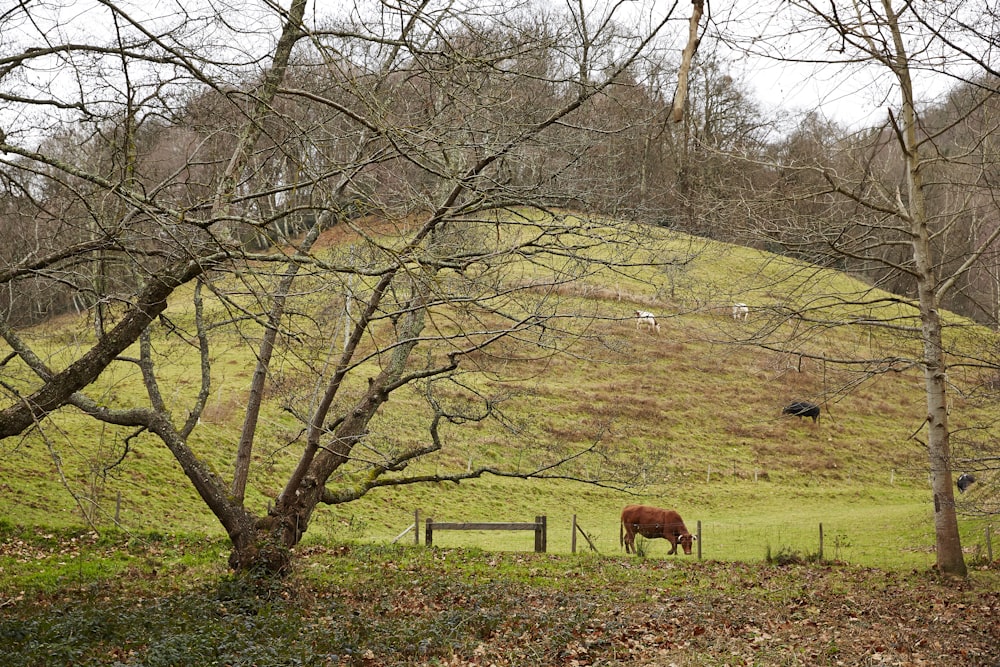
949	547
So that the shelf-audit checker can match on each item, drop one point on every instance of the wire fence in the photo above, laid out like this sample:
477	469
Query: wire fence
812	541
786	542
825	541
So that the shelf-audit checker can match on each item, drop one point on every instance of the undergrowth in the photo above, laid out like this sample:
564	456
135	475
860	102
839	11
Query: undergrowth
348	604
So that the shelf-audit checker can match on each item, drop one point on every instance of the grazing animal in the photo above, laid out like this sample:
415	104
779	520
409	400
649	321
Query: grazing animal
802	409
643	317
741	312
965	480
652	522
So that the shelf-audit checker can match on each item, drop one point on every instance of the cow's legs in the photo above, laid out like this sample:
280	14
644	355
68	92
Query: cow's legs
629	539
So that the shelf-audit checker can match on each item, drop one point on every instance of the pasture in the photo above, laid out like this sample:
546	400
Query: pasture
107	556
686	417
863	524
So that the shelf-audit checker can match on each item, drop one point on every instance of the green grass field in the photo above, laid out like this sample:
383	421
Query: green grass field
688	419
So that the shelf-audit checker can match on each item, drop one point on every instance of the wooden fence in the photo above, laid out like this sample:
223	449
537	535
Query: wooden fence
538	525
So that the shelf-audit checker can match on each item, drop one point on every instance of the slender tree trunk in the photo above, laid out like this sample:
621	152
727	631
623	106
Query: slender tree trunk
294	510
254	545
245	449
949	547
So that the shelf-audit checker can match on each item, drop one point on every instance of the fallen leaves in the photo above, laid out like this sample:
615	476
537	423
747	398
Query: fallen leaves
376	606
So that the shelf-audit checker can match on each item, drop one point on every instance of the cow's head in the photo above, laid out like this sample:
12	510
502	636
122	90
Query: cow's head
686	540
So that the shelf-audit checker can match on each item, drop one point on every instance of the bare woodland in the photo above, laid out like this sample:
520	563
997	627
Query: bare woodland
202	152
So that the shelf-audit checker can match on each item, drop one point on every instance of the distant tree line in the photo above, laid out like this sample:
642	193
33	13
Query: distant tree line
728	171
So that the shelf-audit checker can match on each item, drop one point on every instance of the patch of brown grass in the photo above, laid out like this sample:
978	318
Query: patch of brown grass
220	411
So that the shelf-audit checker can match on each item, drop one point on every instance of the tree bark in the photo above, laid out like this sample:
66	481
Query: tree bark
680	98
949	547
58	389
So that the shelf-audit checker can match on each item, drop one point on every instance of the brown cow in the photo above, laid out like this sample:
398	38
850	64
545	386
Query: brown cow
652	522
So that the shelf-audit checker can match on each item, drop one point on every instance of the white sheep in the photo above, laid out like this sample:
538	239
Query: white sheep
644	317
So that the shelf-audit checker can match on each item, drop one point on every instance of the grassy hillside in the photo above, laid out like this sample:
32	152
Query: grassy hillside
690	415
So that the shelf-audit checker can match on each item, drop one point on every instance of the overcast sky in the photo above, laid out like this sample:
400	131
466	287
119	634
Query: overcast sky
849	94
855	95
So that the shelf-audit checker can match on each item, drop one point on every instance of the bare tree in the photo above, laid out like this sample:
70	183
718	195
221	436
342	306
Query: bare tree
886	210
407	130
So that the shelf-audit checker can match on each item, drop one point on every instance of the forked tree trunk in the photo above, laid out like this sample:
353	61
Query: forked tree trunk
265	546
260	550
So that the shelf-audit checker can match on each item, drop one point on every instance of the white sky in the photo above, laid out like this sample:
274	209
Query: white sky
849	94
851	99
854	95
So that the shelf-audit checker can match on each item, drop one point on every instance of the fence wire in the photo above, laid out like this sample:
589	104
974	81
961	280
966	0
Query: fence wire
812	541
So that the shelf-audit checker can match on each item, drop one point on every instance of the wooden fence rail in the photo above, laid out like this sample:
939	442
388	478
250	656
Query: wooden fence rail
538	525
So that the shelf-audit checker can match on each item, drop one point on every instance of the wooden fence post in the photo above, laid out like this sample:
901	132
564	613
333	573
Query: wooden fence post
821	542
540	536
699	539
429	532
416	527
989	544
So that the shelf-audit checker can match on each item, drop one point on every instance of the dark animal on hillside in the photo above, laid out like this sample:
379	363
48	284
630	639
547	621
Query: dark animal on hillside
965	480
651	523
802	409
